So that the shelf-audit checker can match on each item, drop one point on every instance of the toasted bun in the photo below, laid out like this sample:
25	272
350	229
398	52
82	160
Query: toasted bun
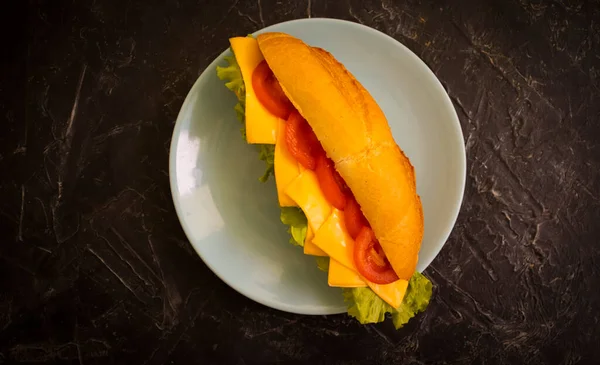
356	136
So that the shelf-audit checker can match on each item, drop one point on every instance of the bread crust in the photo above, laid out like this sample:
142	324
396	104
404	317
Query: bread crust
355	134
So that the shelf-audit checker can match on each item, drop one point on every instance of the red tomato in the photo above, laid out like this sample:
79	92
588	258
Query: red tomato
378	257
370	260
301	141
354	218
329	182
269	92
342	184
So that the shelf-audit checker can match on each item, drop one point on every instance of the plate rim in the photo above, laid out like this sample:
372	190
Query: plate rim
210	68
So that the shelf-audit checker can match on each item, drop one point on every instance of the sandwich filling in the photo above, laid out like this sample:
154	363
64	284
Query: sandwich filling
321	212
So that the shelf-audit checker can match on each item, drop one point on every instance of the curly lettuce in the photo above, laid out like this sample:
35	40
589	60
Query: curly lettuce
367	307
363	303
323	263
232	75
297	222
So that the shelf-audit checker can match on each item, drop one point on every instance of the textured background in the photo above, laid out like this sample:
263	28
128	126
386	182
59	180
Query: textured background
95	268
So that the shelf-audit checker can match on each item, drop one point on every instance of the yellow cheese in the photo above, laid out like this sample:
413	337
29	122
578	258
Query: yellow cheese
310	234
312	249
391	293
261	126
340	276
305	191
286	168
309	247
333	238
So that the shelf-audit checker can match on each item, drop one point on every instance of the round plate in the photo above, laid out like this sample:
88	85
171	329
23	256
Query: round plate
232	219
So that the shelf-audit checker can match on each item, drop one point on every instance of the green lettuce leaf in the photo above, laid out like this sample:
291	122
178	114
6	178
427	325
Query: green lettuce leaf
298	225
266	153
232	75
415	300
367	307
240	113
322	263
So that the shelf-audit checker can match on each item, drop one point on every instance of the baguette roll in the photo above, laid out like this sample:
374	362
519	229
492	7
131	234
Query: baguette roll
355	134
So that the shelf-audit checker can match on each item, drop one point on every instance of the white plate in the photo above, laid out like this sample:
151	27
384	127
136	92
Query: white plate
232	219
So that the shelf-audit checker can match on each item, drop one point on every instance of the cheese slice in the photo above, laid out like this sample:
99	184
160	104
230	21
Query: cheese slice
305	191
309	247
286	168
261	125
391	293
340	276
333	238
312	250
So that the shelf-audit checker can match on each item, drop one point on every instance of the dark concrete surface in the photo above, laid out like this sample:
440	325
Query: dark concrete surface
95	268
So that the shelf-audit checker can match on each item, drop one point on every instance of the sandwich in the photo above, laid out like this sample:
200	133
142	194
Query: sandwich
346	189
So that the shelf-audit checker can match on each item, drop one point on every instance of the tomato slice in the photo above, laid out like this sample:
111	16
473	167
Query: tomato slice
354	218
301	141
329	182
378	257
269	92
342	184
370	260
